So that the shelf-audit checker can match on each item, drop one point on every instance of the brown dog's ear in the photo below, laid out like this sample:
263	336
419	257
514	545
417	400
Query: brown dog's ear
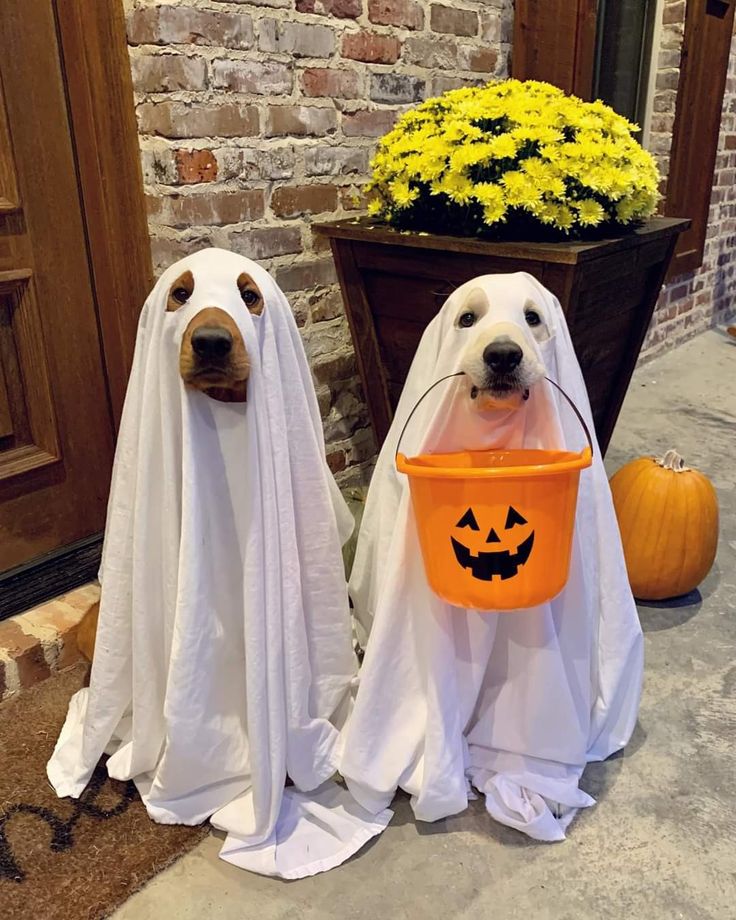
180	291
251	294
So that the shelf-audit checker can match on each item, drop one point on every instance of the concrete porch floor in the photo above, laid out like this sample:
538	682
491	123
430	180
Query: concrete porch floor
659	845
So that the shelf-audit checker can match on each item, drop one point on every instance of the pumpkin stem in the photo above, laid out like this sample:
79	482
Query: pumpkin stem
672	461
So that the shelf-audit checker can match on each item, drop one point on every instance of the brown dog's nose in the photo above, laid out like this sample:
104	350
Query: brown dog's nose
502	356
212	342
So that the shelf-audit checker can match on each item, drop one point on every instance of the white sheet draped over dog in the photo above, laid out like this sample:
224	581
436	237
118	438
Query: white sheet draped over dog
515	703
223	658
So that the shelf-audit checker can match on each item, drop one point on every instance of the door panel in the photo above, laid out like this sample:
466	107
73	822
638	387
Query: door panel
703	71
56	433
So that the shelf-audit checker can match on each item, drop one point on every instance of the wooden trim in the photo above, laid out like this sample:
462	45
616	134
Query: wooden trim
620	383
585	39
9	197
554	41
101	110
53	574
703	71
566	253
20	301
363	332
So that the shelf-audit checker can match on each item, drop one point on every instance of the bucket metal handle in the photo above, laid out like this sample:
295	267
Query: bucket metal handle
462	374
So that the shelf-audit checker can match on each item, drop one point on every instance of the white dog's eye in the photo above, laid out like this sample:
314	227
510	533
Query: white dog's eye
533	318
466	320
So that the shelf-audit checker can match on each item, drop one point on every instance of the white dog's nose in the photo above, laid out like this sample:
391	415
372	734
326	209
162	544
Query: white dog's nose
502	356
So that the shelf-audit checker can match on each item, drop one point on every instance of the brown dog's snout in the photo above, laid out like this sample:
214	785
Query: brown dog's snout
213	357
212	343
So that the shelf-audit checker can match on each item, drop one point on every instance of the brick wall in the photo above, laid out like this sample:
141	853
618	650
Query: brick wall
258	117
695	301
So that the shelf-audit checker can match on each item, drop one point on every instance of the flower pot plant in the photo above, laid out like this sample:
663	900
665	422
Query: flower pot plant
506	177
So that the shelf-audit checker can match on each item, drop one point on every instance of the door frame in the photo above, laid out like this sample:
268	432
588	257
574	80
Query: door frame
97	75
100	102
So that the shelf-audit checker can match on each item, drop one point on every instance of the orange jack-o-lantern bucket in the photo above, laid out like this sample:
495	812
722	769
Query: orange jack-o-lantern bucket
495	526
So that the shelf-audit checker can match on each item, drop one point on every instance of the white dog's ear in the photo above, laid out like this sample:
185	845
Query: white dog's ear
475	300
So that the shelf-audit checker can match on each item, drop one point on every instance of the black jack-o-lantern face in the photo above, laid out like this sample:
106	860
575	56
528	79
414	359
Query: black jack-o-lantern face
499	561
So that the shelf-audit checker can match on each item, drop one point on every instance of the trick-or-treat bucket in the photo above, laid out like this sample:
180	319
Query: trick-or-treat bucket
496	526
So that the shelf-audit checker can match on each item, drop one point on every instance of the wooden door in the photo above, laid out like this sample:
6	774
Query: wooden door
554	41
56	427
703	71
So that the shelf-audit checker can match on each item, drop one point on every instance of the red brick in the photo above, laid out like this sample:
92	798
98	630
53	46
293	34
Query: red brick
293	200
184	25
352	198
336	161
165	251
180	119
195	166
396	89
166	73
305	275
479	60
212	208
269	78
266	242
336	367
26	652
661	123
340	9
668	79
403	13
336	460
674	12
326	306
300	121
325	81
454	21
431	51
731	142
299	39
368	123
371	47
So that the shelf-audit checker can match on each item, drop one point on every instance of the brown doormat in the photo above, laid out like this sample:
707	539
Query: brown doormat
66	858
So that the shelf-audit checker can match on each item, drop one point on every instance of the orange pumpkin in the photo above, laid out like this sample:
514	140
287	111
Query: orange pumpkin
668	517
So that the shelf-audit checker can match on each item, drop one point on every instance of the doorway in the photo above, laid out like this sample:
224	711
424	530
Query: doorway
74	269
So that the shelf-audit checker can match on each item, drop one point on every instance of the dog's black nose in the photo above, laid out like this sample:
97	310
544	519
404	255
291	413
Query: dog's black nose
502	357
212	342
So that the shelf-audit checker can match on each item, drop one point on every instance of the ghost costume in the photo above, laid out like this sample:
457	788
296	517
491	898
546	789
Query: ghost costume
223	659
512	704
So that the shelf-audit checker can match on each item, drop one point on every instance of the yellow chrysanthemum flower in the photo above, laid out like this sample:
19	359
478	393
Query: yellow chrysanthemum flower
590	212
492	199
510	146
402	194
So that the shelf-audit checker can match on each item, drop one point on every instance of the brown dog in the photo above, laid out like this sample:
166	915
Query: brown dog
212	358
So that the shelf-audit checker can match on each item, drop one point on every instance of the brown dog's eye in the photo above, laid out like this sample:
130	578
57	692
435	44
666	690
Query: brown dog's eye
533	318
180	295
466	320
250	298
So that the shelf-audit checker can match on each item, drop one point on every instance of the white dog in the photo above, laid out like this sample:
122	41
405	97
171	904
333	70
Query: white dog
513	704
500	359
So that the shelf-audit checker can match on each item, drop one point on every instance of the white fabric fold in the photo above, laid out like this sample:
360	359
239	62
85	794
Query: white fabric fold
224	658
518	702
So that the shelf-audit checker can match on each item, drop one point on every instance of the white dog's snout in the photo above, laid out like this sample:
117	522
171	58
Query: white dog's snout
502	351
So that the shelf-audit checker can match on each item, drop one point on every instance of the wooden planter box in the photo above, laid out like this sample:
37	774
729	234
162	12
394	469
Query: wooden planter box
393	283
